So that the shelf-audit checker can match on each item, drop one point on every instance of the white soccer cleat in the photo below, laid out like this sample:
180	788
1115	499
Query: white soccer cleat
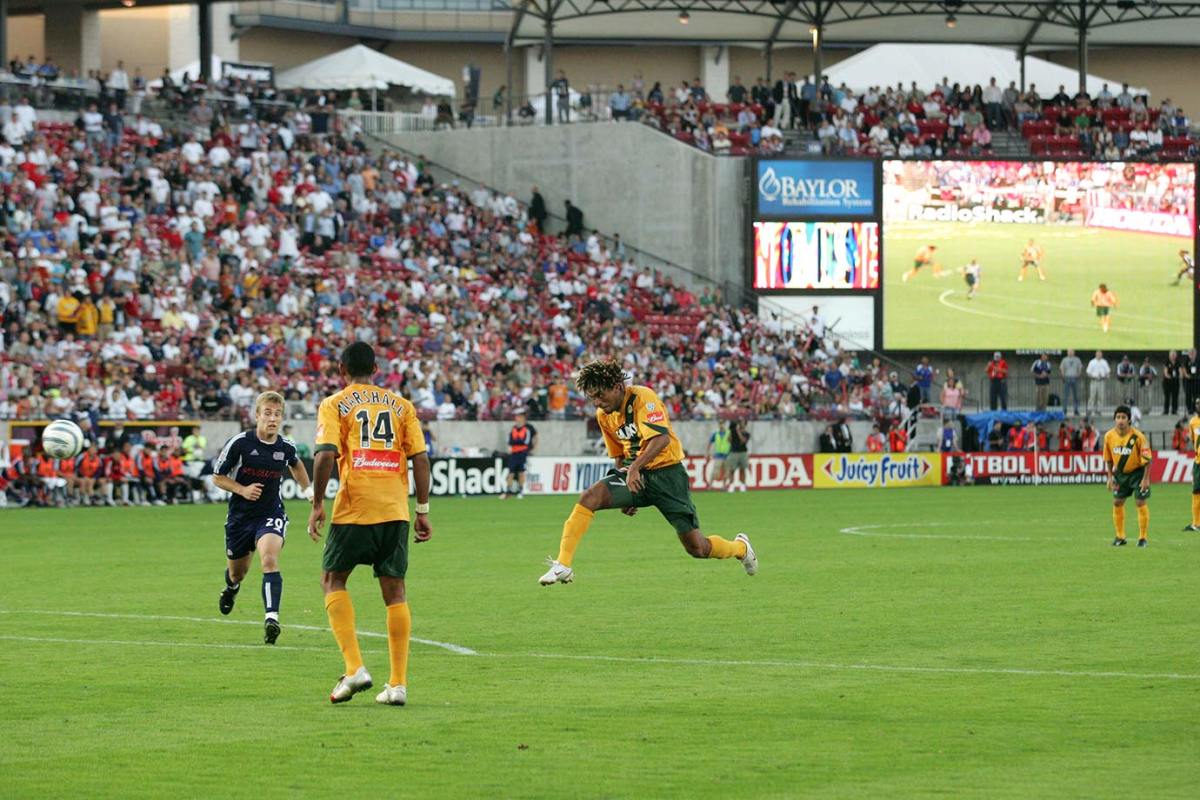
749	561
350	685
556	574
392	695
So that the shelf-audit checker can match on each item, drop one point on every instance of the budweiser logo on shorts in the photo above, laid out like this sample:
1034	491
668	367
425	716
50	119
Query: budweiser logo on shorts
376	460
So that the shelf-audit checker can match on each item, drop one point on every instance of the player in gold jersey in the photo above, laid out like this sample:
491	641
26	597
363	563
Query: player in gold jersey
1127	458
372	433
1032	256
1194	430
1104	301
648	471
923	258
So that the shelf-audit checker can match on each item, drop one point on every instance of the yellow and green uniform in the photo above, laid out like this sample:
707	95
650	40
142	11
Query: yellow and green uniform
1194	430
641	417
1032	255
923	257
1104	302
1128	455
374	432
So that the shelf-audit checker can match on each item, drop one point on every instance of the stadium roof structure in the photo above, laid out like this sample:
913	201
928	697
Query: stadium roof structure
1024	24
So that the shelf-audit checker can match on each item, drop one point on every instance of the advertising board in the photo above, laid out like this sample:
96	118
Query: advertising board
803	189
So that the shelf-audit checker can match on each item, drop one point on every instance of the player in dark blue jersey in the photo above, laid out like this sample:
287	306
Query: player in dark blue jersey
251	468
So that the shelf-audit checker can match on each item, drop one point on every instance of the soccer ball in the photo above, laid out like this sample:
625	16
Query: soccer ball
62	439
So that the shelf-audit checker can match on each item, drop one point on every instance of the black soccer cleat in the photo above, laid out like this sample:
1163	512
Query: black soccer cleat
226	604
270	631
1141	542
1190	528
1119	542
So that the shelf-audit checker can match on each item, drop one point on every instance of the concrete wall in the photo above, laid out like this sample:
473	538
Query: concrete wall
26	36
1165	71
571	439
663	197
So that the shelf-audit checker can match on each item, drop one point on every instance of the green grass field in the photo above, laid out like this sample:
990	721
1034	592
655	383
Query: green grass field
933	313
982	642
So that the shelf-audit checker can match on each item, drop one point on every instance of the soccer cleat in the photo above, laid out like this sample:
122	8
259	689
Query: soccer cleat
350	685
749	561
1119	542
1142	542
1190	528
392	695
270	631
227	599
556	574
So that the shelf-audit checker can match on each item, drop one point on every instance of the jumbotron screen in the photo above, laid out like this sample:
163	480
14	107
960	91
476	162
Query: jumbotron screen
985	255
816	255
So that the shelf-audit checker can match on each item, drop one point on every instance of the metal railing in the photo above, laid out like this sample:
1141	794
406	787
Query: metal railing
1022	395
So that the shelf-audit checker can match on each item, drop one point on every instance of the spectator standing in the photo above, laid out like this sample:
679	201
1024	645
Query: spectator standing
1041	370
118	81
1191	379
718	451
842	436
562	96
825	442
1126	373
897	437
1147	374
953	394
537	210
1071	369
1170	376
997	372
924	377
574	219
1098	372
738	460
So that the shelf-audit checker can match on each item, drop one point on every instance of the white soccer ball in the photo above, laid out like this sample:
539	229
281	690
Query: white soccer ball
62	439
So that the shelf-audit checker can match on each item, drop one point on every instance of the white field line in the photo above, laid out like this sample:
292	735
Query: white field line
650	660
874	530
944	297
453	648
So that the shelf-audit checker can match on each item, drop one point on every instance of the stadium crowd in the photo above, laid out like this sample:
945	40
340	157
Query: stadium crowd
153	275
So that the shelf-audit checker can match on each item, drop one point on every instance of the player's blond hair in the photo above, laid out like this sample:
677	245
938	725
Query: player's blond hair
263	398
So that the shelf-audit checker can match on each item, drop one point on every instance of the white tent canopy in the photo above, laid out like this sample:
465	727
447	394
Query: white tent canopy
360	67
965	64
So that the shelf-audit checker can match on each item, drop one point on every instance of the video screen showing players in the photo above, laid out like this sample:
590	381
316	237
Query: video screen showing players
816	255
1016	254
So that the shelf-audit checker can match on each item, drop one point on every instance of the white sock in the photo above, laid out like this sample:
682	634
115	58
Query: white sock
273	615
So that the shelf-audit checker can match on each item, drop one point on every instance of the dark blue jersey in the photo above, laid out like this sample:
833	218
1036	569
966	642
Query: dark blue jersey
248	460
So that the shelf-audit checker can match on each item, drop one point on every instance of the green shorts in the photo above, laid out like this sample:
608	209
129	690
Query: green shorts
383	545
667	489
919	264
1196	478
1129	484
1102	311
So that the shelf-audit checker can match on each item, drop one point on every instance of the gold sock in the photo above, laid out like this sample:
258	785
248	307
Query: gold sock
399	627
723	548
341	620
1143	513
1196	510
573	530
1119	520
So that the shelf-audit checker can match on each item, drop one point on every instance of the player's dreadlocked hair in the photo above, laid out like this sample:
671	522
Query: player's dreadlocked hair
599	376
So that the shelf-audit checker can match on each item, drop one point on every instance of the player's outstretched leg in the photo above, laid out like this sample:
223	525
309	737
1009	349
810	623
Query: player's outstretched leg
269	546
698	545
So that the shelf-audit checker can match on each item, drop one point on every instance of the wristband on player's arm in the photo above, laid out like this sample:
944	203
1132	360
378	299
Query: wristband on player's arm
422	508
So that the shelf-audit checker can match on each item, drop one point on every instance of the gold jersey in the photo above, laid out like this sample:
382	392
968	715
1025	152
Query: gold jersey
374	432
1129	451
642	416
